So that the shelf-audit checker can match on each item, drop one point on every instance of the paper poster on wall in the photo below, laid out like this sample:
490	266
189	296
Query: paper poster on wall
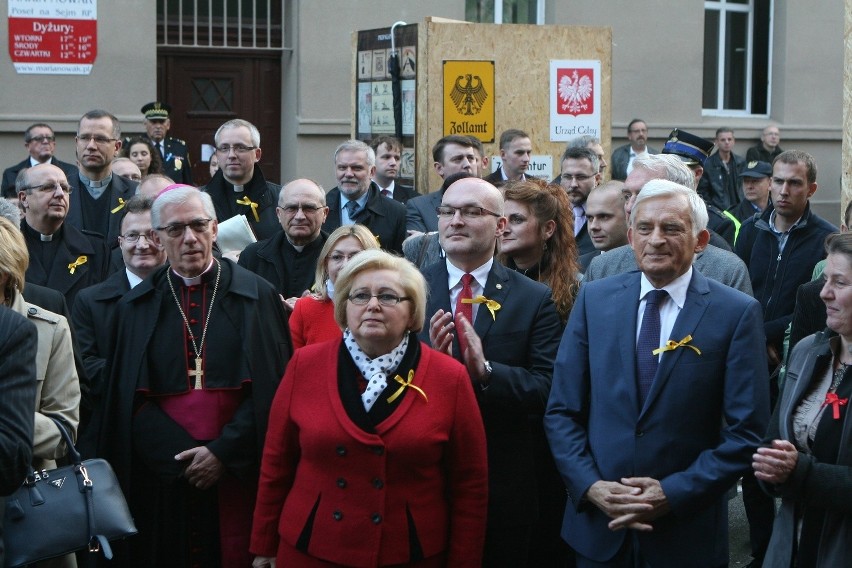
540	166
575	99
365	108
53	37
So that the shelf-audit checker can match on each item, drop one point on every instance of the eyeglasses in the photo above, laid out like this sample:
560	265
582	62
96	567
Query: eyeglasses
306	208
385	298
578	177
340	257
49	187
134	237
468	211
237	148
99	140
178	229
42	139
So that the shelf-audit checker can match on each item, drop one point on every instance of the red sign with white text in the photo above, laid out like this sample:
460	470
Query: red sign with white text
45	37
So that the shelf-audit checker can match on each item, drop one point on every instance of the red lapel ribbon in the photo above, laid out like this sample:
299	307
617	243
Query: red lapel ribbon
836	402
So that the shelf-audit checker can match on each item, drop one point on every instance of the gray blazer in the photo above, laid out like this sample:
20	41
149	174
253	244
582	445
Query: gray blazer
420	212
715	263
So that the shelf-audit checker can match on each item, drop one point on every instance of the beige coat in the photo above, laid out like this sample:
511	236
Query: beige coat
58	390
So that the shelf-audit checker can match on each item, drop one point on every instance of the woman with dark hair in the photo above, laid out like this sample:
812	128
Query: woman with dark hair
807	461
538	240
142	153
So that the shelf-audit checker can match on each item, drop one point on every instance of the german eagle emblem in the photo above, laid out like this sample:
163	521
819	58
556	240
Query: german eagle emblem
574	91
468	94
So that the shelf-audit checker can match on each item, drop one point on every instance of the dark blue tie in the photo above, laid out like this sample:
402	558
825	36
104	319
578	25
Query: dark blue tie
352	209
649	339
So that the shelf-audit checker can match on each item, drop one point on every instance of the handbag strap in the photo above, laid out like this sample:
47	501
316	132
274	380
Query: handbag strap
73	454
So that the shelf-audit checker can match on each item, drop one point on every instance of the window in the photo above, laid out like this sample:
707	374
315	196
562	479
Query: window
737	42
504	11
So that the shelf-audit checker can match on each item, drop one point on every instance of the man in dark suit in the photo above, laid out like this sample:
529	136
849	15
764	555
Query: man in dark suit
580	173
62	257
18	343
98	196
515	154
652	421
720	183
388	159
357	200
507	340
622	157
239	187
451	155
173	150
288	260
40	142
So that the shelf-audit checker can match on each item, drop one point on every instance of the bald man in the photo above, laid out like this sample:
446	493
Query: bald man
510	334
288	259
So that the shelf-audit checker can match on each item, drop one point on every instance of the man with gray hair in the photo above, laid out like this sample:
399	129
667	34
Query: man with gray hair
357	199
239	188
201	346
652	425
713	262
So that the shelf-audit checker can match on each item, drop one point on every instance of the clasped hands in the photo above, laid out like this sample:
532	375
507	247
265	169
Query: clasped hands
441	328
632	503
204	469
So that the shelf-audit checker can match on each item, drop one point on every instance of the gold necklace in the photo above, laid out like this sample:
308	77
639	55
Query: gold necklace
198	372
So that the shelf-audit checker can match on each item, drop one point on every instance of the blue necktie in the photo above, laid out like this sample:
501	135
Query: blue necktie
649	339
352	210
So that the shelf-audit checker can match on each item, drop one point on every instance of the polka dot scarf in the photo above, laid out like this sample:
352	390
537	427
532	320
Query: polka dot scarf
376	370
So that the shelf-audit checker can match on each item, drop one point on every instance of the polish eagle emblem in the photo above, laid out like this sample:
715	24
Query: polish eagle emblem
574	92
468	94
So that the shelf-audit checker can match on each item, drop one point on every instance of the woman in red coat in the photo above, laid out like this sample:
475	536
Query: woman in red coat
312	319
375	452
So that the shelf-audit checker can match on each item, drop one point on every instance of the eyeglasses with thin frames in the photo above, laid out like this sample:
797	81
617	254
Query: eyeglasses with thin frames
133	238
467	212
99	140
385	298
49	187
176	230
307	208
237	148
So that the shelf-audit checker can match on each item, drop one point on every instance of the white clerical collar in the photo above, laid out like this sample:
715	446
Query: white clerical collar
133	279
196	280
239	188
95	184
45	238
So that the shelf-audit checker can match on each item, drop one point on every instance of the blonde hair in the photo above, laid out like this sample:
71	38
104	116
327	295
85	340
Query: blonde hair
412	282
14	256
359	232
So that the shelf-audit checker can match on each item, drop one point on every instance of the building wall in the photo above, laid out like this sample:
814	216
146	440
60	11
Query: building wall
124	74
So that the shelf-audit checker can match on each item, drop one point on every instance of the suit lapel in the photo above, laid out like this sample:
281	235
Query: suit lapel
75	206
439	296
497	288
333	201
686	323
624	307
120	191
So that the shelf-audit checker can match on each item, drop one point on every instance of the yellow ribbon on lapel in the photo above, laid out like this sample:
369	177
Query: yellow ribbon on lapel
80	260
246	201
672	345
119	207
492	305
406	383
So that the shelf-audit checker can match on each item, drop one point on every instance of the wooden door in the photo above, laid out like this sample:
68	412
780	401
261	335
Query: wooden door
209	87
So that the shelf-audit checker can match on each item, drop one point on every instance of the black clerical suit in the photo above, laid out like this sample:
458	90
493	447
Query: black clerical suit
290	271
244	357
110	207
262	219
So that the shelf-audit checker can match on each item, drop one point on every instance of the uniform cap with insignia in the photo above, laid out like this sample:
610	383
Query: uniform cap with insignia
756	169
157	111
692	149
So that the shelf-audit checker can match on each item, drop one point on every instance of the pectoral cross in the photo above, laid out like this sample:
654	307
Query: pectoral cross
197	373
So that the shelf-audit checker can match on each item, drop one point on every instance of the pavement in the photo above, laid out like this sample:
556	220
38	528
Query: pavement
739	548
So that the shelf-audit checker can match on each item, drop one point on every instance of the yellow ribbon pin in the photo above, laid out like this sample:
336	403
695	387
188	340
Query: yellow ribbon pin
246	201
406	383
80	260
492	305
119	207
672	345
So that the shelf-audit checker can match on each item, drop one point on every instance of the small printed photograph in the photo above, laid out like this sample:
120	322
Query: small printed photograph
365	111
365	64
408	62
406	167
380	67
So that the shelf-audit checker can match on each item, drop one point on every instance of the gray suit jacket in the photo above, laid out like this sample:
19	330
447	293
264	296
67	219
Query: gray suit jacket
420	212
720	265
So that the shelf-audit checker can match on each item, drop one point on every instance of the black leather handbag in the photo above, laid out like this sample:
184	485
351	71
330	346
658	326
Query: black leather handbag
58	511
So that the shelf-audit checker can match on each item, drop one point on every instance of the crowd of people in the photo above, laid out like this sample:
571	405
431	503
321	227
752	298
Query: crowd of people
505	371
